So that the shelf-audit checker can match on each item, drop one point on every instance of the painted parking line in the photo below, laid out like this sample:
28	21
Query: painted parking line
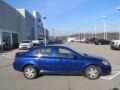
114	66
115	73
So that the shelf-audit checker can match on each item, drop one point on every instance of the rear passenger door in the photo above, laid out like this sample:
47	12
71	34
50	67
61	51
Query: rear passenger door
45	59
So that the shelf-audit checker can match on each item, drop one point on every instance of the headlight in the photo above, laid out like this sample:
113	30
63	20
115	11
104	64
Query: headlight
105	62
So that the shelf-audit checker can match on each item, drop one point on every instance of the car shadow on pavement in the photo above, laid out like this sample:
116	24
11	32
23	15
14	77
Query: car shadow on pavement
115	89
39	76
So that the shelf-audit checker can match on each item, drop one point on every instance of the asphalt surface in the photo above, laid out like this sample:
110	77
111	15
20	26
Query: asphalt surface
13	80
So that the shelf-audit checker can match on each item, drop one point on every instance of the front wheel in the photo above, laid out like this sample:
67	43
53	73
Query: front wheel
30	72
92	72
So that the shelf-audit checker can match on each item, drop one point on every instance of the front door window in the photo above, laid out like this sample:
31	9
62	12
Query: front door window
64	53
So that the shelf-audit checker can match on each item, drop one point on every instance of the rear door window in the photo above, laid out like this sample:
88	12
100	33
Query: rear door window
43	52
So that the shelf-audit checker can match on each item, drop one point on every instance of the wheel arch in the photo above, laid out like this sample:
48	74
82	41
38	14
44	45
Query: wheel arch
91	65
35	66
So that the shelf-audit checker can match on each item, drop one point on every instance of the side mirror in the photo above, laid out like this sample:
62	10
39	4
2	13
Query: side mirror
76	57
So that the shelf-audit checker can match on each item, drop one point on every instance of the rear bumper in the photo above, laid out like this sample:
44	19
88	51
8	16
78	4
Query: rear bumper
24	47
17	67
113	47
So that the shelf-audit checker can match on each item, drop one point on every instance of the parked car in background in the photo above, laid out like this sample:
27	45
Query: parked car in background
60	60
25	44
59	42
91	40
101	42
6	46
41	41
69	39
115	44
76	40
37	43
52	42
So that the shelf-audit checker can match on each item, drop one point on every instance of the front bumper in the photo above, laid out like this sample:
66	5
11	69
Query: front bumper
113	46
106	70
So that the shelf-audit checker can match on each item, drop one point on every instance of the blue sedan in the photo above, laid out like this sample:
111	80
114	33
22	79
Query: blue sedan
60	60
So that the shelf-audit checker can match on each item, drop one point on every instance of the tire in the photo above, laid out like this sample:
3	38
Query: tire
30	72
98	43
111	48
92	72
119	48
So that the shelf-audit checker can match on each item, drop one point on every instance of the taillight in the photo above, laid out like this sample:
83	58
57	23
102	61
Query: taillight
14	58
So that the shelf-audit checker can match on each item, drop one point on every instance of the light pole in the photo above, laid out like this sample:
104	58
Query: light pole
44	18
119	10
104	24
95	23
53	33
106	32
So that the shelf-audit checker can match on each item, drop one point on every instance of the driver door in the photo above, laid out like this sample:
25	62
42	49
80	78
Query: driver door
69	62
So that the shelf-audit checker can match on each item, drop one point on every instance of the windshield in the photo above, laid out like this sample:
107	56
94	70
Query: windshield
25	41
76	50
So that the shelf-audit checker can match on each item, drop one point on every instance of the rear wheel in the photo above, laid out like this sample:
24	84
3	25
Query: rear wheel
30	72
92	72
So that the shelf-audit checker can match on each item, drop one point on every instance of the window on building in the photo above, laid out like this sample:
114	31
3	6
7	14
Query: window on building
6	37
15	38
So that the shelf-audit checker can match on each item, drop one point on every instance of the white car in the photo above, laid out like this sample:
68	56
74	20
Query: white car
115	44
25	44
76	40
38	43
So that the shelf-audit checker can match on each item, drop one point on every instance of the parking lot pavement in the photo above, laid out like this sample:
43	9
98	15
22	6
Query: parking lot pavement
11	54
114	74
5	62
13	80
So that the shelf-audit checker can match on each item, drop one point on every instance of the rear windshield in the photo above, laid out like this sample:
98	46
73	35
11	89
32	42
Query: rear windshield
25	41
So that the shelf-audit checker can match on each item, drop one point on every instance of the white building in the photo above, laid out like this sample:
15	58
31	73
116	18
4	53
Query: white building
26	25
39	29
9	21
18	25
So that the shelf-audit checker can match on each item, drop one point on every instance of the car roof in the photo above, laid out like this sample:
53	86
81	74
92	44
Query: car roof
54	46
51	46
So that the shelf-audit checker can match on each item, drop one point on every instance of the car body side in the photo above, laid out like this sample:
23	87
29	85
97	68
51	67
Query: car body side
53	65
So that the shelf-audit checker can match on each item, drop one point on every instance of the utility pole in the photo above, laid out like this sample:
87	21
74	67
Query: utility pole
44	18
119	11
53	32
104	24
95	23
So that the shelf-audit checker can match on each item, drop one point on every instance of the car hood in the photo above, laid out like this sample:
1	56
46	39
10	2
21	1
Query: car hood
93	57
